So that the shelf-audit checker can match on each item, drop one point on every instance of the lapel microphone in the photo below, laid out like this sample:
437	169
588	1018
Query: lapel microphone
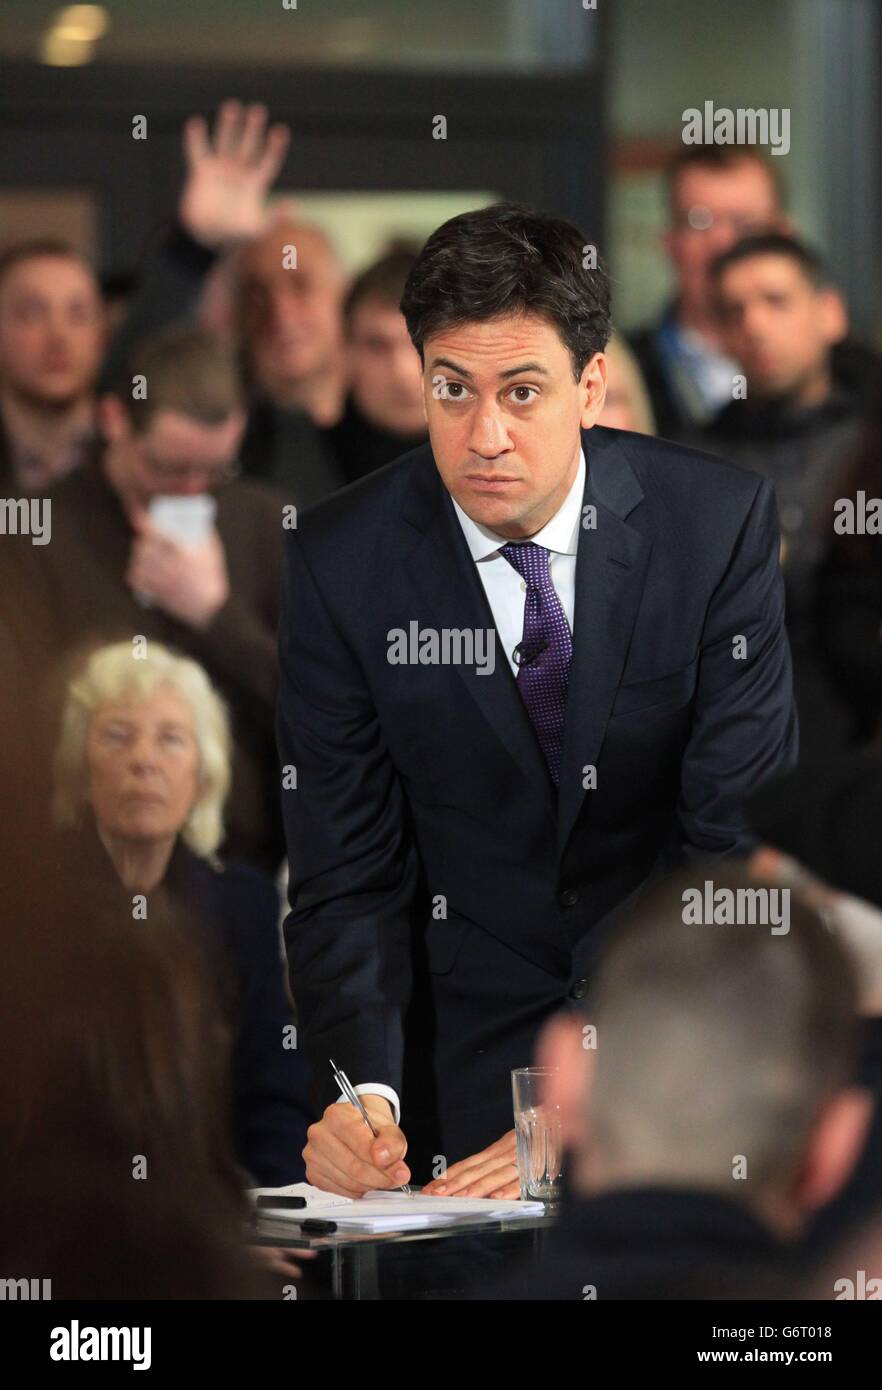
528	653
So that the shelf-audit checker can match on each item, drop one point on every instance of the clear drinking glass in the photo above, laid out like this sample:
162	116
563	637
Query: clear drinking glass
538	1131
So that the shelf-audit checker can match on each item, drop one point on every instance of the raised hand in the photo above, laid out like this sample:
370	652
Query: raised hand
230	172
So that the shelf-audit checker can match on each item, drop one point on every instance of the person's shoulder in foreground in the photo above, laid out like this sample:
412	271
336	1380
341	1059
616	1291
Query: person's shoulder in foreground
653	1243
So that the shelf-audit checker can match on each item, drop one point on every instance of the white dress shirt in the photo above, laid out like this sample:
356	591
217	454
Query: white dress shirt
507	595
505	589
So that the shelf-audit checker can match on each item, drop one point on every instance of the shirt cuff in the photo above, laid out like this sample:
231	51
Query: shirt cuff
377	1089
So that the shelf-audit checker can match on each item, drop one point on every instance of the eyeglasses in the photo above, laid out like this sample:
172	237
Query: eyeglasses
699	218
213	474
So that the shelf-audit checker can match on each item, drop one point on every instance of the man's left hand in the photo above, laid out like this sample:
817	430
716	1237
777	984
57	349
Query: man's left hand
491	1173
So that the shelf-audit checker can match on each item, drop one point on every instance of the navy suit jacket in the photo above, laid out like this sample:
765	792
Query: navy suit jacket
445	897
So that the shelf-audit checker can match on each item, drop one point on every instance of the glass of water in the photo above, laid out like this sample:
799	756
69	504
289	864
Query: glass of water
538	1131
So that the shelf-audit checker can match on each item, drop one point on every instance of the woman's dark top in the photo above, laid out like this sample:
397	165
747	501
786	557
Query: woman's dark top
236	908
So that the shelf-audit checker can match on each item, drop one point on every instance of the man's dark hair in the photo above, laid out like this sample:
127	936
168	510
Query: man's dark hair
382	282
774	244
186	369
508	259
722	159
12	256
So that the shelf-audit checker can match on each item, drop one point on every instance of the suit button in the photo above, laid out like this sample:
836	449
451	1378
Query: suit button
579	989
569	897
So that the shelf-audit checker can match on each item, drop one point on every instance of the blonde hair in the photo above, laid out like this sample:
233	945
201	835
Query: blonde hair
117	672
626	376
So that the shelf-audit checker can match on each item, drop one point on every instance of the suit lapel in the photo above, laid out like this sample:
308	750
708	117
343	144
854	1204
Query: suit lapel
610	567
445	575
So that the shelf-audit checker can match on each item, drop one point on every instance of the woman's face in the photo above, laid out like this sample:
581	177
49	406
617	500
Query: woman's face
143	766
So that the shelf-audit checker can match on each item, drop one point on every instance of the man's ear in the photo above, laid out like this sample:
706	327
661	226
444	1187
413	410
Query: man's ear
113	419
834	1146
561	1048
835	315
593	387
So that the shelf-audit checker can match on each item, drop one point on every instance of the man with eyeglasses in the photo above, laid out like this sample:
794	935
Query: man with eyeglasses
718	194
203	579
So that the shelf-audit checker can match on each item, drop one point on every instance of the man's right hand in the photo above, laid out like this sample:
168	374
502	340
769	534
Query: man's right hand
343	1156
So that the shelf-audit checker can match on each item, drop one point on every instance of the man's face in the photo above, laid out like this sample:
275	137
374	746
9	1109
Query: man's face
776	324
291	318
385	371
712	209
175	456
504	413
51	330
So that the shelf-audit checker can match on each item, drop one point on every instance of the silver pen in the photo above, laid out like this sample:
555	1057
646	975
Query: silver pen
348	1090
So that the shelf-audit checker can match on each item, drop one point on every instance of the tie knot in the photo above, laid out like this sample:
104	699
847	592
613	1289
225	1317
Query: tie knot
530	561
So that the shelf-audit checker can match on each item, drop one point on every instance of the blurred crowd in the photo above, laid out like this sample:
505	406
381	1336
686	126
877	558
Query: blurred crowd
177	425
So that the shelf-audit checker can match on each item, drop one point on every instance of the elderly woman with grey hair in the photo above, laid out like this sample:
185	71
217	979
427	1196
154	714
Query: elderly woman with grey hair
142	769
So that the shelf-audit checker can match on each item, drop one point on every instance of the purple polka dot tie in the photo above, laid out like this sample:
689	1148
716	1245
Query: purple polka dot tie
546	650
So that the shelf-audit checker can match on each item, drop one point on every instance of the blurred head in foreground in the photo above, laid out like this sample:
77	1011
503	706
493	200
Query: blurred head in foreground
715	1054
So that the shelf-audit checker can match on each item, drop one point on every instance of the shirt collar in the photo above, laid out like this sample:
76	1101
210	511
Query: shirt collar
560	534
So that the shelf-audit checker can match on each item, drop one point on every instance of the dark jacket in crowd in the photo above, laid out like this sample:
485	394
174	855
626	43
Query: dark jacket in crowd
827	817
284	449
847	620
77	586
855	370
236	909
656	1243
360	447
806	453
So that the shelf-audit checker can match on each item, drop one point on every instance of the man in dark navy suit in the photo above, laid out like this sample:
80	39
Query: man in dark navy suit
525	669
